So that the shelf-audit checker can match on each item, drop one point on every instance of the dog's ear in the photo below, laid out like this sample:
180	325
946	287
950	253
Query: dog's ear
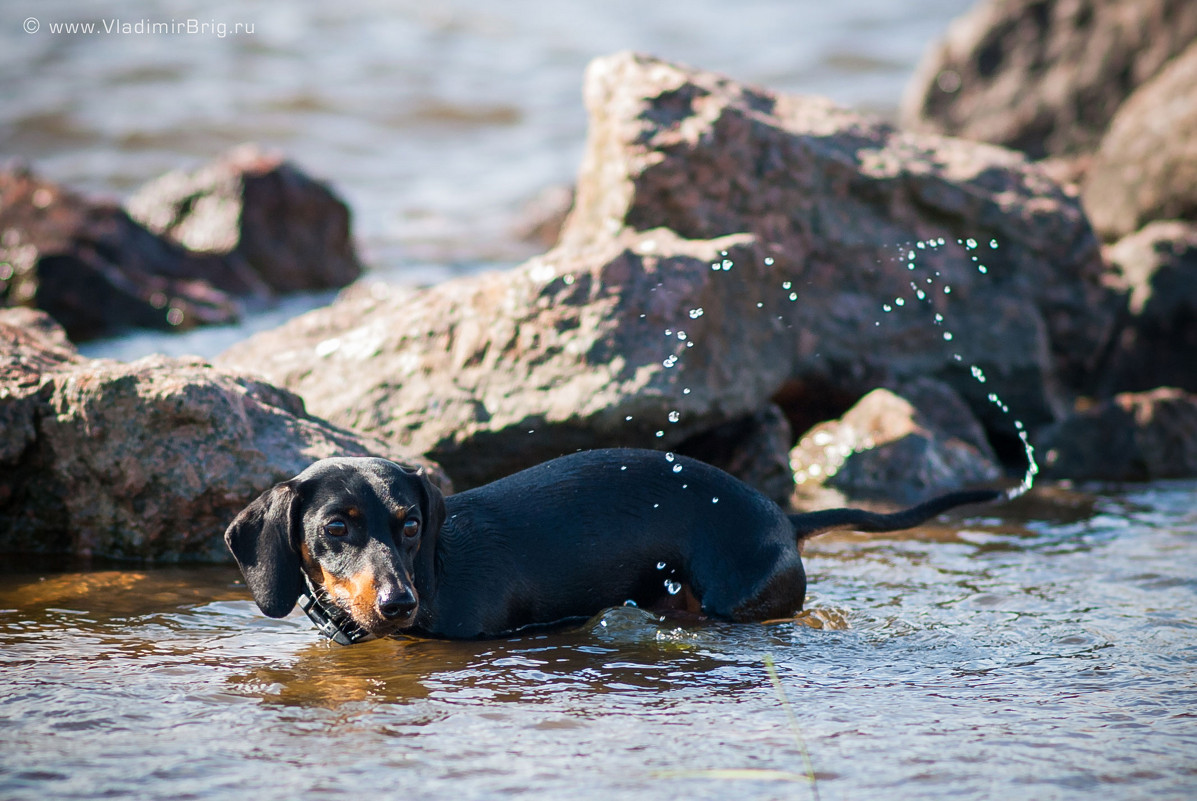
432	504
264	540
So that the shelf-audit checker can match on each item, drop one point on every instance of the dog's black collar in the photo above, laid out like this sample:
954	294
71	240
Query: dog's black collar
331	623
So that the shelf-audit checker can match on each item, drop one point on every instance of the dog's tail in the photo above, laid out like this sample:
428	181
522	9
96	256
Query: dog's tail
812	523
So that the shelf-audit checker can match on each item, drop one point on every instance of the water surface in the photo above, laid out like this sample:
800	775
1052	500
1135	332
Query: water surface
1049	654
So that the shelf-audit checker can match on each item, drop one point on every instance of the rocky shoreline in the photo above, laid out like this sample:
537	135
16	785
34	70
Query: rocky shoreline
804	295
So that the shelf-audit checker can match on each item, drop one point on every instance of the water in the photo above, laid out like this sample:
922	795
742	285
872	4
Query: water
1048	654
437	122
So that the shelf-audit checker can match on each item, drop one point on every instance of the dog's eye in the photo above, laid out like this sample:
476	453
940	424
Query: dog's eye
411	528
336	528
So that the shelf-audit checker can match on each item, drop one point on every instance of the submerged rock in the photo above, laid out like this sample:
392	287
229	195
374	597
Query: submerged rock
148	460
1146	167
1131	437
728	248
284	231
94	269
1044	76
902	446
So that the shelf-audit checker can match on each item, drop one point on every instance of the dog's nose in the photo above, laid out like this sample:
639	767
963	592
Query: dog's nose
397	602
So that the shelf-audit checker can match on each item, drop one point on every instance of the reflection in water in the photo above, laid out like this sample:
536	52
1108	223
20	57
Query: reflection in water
1046	654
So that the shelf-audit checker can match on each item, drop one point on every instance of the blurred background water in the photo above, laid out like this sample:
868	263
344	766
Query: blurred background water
437	121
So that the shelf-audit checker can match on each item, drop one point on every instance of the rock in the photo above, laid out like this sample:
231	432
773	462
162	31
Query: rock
728	249
93	268
283	230
1044	76
148	460
1146	167
902	446
1131	437
540	221
1157	268
755	448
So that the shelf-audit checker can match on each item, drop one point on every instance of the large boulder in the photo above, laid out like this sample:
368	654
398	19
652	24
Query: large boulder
284	231
1157	268
1146	167
729	248
94	269
1044	76
148	460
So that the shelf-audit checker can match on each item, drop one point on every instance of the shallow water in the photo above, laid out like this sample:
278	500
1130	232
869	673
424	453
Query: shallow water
1047	654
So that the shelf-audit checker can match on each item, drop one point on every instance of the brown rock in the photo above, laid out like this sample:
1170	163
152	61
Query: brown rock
1146	167
281	229
771	233
898	446
95	270
149	460
1132	437
1044	76
1157	268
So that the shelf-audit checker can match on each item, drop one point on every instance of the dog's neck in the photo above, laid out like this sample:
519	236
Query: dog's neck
331	622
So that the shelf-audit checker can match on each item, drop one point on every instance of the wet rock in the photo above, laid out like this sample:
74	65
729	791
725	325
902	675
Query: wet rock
281	230
148	460
902	446
728	248
755	448
1131	437
1146	167
95	270
1044	76
1157	268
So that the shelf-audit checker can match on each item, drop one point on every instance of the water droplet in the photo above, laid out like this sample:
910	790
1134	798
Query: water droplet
786	284
696	313
628	418
690	344
623	467
686	391
568	279
981	268
660	433
681	335
885	307
977	374
673	587
760	305
900	301
669	457
674	416
920	294
768	261
793	296
715	499
660	565
947	290
677	468
727	265
668	332
910	256
670	361
938	318
947	335
656	506
993	243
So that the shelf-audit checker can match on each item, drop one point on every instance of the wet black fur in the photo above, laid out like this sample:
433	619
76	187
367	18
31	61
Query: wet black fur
554	543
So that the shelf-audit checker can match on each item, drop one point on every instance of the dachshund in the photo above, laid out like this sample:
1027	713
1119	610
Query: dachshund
369	547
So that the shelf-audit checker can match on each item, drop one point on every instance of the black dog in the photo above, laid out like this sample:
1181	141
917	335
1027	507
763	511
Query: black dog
373	547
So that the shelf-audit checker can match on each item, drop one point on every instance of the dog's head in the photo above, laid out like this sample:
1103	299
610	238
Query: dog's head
354	526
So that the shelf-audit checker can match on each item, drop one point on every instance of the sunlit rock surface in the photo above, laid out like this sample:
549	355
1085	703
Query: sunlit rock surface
1044	76
1146	167
144	460
728	248
282	230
